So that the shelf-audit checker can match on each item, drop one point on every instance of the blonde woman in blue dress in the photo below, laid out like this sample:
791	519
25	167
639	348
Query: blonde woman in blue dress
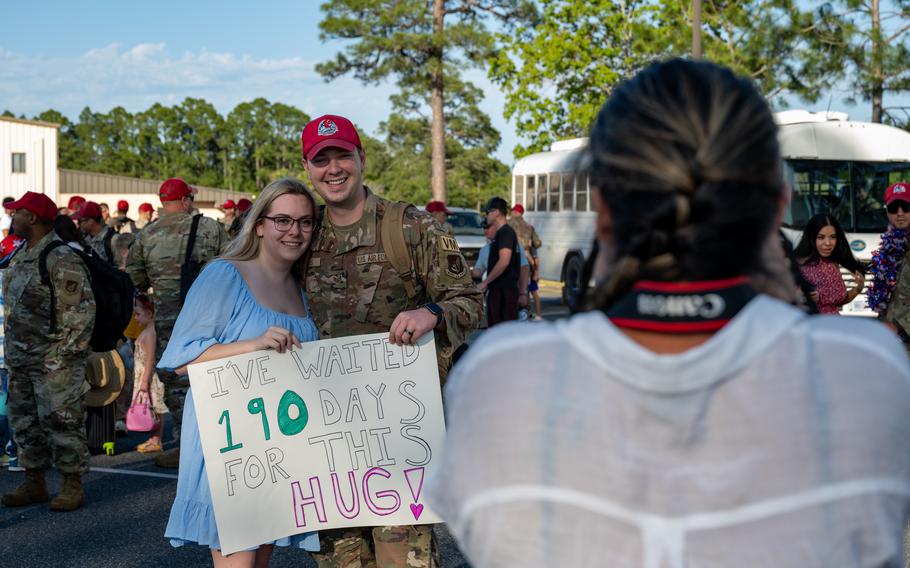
249	299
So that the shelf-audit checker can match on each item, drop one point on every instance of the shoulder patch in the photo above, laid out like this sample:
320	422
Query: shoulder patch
448	244
455	266
70	290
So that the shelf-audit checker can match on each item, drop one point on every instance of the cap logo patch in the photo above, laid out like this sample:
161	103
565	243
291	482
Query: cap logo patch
900	188
327	127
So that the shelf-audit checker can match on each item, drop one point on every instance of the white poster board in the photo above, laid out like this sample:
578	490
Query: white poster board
339	433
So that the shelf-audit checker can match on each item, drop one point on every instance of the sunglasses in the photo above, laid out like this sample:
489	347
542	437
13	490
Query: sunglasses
896	206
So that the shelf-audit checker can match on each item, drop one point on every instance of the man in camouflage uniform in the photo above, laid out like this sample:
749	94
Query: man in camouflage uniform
154	261
47	370
98	235
530	242
354	290
441	213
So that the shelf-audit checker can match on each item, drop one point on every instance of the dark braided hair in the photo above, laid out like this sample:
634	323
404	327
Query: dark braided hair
685	156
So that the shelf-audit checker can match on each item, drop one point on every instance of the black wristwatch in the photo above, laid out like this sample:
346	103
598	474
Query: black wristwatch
435	310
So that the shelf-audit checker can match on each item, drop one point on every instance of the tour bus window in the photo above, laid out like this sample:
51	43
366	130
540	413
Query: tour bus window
554	192
871	180
853	192
581	193
542	192
530	199
568	191
820	187
519	190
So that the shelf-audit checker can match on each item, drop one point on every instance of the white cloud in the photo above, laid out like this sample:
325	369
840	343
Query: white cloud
136	77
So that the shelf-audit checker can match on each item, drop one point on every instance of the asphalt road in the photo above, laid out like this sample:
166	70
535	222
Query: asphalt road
128	502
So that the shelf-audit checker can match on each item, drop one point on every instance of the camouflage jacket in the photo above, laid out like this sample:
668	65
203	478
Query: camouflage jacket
27	304
157	254
527	235
898	310
354	289
96	243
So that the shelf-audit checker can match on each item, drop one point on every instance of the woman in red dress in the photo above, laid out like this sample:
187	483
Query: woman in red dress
822	251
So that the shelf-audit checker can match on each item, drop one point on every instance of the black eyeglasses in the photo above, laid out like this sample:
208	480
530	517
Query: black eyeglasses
895	206
283	223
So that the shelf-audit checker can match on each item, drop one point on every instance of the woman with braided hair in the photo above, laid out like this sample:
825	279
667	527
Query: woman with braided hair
692	416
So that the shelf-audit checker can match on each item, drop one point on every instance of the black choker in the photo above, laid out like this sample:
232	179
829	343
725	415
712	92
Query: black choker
681	307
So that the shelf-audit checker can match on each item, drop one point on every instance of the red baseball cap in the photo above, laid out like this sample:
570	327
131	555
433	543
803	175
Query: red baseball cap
329	130
519	208
123	205
75	202
897	191
37	203
145	207
229	204
88	210
435	206
244	204
174	189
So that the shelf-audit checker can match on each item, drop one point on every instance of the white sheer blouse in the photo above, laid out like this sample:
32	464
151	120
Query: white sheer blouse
783	441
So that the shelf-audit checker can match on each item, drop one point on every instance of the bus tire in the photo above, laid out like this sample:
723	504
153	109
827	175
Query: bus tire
571	280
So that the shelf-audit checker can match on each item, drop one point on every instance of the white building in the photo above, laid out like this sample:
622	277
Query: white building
28	157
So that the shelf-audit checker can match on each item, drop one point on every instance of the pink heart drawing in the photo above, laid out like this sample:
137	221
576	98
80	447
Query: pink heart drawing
416	510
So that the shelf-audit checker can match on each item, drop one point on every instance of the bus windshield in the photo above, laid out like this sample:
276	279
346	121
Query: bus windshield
852	191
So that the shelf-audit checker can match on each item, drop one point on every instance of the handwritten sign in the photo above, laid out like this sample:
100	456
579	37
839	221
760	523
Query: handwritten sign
339	433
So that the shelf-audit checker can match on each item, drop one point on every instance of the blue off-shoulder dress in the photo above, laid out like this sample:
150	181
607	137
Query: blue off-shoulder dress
220	308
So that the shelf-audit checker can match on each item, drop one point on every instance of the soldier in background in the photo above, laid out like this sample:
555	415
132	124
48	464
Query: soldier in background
47	370
354	290
441	213
155	260
530	242
242	208
105	212
122	223
146	210
98	235
74	204
230	213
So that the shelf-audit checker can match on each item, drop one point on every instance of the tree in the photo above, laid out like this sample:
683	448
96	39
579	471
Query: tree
472	174
559	67
865	42
419	42
67	146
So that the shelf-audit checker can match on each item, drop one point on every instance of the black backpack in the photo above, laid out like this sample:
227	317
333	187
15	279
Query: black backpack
113	292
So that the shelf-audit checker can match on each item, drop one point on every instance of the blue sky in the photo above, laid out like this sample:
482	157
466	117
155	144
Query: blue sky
67	55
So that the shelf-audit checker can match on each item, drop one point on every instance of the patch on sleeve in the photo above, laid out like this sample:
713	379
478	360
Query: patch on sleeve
69	291
315	261
448	244
455	266
371	258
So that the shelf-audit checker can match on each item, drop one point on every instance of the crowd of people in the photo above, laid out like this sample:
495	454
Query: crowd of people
694	412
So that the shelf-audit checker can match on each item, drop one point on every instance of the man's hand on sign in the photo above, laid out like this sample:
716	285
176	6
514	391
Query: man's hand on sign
409	326
276	338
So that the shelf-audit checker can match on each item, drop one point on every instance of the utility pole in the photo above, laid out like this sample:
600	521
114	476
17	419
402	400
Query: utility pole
696	29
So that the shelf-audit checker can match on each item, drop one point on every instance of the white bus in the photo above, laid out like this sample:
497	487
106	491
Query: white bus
834	166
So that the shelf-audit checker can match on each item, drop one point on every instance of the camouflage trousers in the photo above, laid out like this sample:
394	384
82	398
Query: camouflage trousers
393	547
175	386
47	414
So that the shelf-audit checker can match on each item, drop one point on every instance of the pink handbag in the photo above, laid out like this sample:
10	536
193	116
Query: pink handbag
140	417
